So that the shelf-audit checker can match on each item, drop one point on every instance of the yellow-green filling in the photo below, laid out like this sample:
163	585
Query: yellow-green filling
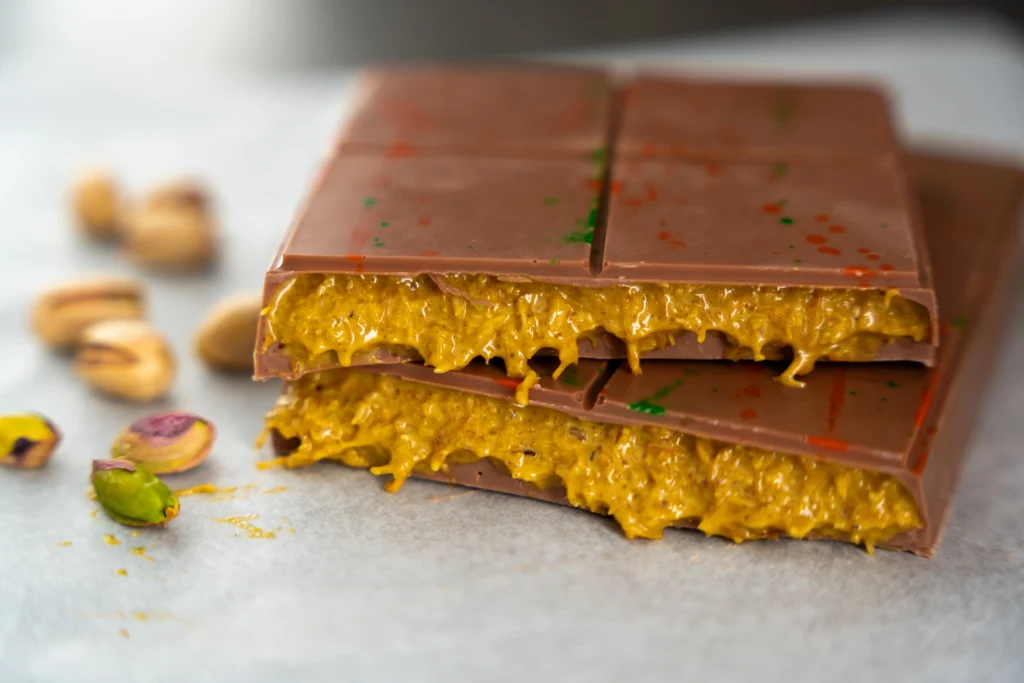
647	478
326	319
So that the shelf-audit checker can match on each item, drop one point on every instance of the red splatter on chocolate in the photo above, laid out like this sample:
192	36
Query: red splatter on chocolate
821	218
926	400
712	168
836	228
506	382
836	399
748	413
817	239
634	202
828	444
358	260
667	238
862	250
921	462
429	252
830	250
874	257
594	184
401	150
859	271
421	199
751	391
649	151
652	193
615	187
681	201
771	208
885	266
425	220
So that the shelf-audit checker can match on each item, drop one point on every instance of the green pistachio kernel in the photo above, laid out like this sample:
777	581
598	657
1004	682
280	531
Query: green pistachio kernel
132	495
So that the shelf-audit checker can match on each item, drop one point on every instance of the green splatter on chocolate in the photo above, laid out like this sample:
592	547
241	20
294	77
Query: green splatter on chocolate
786	220
784	110
796	260
571	377
592	218
892	385
599	155
377	242
714	390
853	393
369	201
384	224
960	322
689	372
650	405
885	225
553	262
779	169
792	246
550	201
580	236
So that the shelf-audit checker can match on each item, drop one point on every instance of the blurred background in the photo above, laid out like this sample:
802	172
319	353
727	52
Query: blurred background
127	35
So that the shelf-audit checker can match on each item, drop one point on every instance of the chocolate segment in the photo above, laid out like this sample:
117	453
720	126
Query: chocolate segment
433	177
898	420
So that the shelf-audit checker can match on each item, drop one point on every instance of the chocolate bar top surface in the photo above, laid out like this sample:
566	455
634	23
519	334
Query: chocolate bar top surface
878	415
492	186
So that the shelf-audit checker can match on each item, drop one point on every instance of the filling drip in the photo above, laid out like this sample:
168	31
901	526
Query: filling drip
646	477
448	320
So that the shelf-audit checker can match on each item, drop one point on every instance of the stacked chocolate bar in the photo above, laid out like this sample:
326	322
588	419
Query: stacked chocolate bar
539	281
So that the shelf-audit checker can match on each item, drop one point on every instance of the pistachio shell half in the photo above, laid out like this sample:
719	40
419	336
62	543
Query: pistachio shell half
126	358
166	443
63	312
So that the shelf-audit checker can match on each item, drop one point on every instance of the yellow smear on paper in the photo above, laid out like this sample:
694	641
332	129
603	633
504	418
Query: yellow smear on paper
141	552
122	572
243	523
64	544
110	539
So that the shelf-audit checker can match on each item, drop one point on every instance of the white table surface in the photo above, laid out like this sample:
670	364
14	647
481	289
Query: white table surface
414	587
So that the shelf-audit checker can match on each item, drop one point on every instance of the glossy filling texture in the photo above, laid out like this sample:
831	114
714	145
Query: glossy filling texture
647	478
448	320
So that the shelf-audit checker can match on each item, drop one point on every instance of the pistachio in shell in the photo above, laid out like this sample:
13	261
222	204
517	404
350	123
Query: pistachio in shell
166	443
27	440
128	359
94	202
132	495
226	338
63	312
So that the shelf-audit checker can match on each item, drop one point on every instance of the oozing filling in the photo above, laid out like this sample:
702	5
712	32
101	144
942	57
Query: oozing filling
449	320
647	478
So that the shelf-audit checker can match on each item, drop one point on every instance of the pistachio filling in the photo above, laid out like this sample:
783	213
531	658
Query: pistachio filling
647	478
448	320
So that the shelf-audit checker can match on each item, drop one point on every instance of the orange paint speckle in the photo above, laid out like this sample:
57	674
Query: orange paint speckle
429	252
649	151
828	444
751	391
615	187
921	462
817	239
712	168
821	218
748	413
652	193
634	202
771	208
830	250
859	271
506	382
425	220
926	400
885	266
667	238
862	250
358	260
874	257
594	184
400	150
836	228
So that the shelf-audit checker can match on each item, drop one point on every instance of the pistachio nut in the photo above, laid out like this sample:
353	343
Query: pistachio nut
126	358
27	440
226	338
63	312
166	443
131	495
95	204
172	230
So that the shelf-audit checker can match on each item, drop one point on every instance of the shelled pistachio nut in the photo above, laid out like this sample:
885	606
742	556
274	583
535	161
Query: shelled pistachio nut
166	443
226	338
27	440
63	312
131	495
127	359
94	203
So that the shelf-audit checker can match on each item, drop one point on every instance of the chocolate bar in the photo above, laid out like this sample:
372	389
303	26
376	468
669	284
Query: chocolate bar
511	212
866	453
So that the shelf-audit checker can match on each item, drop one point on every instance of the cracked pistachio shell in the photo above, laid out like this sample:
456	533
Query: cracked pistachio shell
94	203
226	339
166	443
27	440
172	230
128	359
63	313
131	495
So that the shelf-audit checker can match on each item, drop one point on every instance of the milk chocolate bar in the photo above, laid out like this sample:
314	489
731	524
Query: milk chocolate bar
867	453
510	212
